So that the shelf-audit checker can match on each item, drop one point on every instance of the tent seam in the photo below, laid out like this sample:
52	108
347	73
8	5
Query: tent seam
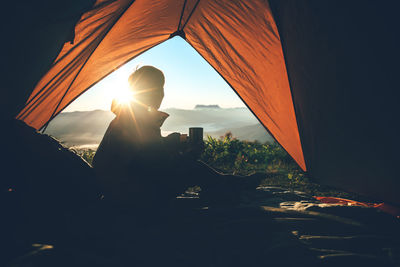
190	15
180	19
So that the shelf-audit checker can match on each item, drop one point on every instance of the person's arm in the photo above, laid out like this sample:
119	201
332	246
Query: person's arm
172	143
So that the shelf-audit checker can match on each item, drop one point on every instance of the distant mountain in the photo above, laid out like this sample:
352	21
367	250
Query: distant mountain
210	119
86	128
249	133
207	106
80	127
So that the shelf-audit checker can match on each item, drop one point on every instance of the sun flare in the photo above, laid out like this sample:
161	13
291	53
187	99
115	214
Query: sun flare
122	94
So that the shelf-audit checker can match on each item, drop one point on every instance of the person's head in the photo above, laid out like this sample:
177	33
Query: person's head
147	83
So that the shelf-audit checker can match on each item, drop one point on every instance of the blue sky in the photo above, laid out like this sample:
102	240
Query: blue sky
190	80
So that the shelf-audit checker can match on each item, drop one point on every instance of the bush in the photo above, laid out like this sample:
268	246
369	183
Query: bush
242	157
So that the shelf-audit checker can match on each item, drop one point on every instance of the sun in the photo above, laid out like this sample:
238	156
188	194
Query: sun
123	94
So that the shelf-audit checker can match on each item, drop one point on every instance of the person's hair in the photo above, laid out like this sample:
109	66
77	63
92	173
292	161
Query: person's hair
147	83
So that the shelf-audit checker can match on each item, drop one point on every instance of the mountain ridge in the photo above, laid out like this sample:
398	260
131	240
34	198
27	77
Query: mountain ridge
82	128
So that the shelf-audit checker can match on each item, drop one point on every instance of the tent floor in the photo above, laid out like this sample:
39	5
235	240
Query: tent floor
270	227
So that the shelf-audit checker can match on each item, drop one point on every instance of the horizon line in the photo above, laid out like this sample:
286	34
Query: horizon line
194	108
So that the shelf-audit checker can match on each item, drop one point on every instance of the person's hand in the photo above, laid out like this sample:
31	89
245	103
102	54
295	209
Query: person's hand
193	151
173	136
173	139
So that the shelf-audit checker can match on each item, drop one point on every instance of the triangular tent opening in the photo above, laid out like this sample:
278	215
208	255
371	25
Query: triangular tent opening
195	96
190	80
340	64
113	33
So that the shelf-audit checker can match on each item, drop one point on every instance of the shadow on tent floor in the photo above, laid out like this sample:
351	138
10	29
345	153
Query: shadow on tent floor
247	235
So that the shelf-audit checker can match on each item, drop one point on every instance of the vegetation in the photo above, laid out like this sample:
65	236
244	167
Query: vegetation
86	154
230	155
233	156
243	158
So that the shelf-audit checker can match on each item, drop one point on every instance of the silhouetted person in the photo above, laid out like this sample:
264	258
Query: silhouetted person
135	164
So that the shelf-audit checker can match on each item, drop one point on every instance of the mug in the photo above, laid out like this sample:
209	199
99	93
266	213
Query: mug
195	135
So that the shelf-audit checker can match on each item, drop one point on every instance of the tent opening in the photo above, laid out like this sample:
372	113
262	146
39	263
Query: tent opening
195	95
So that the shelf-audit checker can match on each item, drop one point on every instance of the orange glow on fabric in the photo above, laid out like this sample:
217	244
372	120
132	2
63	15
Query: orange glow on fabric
395	211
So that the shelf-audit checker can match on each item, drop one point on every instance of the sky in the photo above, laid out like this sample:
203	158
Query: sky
189	80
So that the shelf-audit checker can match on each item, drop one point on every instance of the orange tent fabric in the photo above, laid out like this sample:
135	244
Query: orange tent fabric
238	38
